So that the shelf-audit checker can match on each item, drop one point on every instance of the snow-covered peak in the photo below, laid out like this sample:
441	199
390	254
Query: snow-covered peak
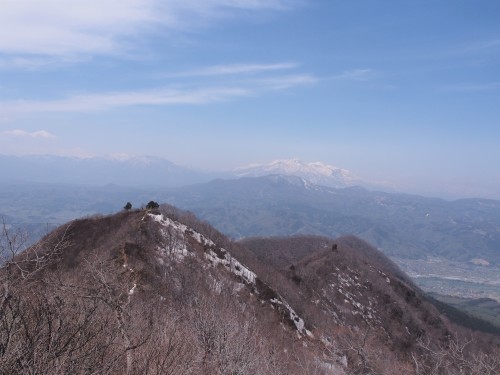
315	172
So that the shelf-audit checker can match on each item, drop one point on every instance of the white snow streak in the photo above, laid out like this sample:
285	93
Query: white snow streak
175	238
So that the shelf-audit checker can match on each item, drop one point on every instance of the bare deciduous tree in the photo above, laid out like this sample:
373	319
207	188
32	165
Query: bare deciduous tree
458	356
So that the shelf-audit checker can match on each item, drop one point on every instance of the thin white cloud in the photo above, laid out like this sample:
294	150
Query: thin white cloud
355	75
24	63
107	101
250	4
481	46
286	82
67	29
23	133
155	97
474	87
60	27
231	69
479	50
495	43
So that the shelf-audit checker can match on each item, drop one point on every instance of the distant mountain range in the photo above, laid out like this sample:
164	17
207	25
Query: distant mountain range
147	171
135	171
401	225
157	172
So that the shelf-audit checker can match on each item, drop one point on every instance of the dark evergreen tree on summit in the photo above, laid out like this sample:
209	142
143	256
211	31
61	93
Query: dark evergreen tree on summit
128	206
152	205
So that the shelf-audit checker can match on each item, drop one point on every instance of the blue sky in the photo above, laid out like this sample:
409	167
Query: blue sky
405	93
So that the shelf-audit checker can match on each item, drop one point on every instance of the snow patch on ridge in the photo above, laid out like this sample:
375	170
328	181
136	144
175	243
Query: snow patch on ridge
175	244
294	317
173	234
230	263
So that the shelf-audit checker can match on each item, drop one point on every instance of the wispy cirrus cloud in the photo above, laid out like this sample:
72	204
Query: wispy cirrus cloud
23	133
231	69
286	82
111	100
354	75
477	47
473	87
156	97
68	29
492	43
25	63
58	28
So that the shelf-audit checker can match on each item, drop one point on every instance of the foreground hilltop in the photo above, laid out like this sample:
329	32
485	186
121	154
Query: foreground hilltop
159	292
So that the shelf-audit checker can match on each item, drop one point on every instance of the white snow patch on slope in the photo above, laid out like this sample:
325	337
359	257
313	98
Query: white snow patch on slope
132	290
297	320
215	255
175	238
173	233
231	264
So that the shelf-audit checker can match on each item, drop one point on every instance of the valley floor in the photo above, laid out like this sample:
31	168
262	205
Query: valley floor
445	277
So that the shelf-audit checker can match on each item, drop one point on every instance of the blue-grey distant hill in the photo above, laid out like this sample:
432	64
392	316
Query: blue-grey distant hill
401	225
38	191
137	171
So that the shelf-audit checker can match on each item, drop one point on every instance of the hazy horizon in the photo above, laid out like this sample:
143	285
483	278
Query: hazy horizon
353	179
404	94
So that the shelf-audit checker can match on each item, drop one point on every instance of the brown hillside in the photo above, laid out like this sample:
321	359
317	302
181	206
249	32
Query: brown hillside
159	292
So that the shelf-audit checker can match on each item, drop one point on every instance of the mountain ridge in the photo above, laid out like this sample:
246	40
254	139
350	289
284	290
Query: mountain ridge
282	205
139	171
163	279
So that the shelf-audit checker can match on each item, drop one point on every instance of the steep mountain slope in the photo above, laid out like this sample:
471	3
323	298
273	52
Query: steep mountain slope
161	292
448	247
136	293
318	260
283	252
317	172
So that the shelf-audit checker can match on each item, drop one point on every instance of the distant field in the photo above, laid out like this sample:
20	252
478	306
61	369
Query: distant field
452	278
458	288
483	308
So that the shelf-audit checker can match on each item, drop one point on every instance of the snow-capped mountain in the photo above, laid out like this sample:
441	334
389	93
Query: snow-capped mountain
315	172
